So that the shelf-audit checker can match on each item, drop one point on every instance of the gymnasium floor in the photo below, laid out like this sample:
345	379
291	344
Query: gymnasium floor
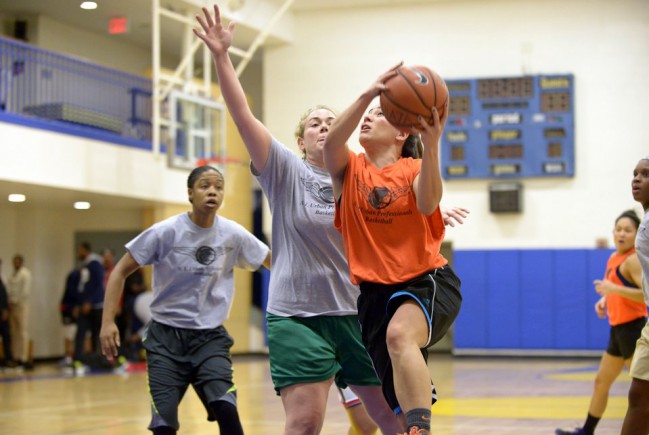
477	396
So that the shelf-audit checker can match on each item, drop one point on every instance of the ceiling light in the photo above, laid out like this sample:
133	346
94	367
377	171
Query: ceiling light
89	5
82	205
17	197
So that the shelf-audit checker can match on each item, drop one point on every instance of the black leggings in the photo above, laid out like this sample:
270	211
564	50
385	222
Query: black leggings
227	417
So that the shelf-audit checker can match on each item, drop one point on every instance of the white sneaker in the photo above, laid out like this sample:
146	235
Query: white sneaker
66	362
80	368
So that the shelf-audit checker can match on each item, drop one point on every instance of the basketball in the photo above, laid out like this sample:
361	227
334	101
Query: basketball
413	92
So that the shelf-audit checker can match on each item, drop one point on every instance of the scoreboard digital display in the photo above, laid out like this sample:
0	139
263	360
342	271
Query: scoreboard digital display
510	127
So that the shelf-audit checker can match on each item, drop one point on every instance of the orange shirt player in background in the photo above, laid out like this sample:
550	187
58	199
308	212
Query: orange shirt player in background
622	300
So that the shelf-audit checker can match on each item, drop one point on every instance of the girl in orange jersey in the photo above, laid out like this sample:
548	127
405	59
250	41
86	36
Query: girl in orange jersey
387	209
623	302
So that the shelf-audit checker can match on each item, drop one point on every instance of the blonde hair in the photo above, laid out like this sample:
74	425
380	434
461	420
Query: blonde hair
299	130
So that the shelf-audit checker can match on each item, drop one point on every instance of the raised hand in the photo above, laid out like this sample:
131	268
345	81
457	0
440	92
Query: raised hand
379	85
431	134
217	38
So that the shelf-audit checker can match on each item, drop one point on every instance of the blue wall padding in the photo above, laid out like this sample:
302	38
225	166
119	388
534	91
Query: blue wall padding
530	299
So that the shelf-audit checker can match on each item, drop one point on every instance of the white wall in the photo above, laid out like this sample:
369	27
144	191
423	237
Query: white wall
101	49
337	54
45	237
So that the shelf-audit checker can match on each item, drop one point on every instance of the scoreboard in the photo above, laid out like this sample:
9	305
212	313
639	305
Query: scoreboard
510	127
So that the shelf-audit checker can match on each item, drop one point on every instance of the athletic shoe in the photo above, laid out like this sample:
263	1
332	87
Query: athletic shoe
66	361
80	368
121	365
577	431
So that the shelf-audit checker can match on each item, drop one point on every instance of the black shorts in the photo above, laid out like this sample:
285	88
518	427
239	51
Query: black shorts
622	339
177	358
437	293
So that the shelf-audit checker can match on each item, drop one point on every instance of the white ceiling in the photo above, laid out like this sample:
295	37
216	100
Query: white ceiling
139	14
50	197
139	17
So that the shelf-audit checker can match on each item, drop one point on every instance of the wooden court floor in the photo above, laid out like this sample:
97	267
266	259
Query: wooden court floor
477	396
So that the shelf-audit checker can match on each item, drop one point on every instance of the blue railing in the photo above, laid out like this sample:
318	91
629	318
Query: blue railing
52	91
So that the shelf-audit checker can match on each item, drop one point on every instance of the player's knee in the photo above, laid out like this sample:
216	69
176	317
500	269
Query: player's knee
304	426
638	396
396	336
227	417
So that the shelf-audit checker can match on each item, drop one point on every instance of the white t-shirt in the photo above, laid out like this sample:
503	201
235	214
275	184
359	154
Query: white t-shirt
193	268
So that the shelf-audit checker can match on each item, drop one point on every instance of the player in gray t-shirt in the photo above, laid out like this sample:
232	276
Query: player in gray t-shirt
637	416
193	256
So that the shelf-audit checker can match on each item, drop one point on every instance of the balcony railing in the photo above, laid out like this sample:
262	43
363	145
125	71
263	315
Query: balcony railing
52	91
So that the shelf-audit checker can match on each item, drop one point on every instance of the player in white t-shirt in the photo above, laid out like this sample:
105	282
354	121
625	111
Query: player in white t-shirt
193	256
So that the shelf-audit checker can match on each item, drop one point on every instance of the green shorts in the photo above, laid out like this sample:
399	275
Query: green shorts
313	349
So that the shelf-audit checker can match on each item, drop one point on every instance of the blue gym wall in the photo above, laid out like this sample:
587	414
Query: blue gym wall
530	300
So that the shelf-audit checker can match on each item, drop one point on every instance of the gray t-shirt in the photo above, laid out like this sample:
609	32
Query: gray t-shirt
310	274
642	249
193	268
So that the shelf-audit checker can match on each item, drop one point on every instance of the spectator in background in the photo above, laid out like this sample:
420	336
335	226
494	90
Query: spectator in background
5	331
108	260
19	289
69	309
90	298
133	288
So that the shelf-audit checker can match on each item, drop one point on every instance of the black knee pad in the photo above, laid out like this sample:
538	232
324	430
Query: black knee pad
227	417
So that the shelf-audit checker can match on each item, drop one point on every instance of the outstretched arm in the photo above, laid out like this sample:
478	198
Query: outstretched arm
336	155
218	39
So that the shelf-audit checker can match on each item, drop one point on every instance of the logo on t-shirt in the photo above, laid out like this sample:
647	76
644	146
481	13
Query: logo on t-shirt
205	255
381	197
325	193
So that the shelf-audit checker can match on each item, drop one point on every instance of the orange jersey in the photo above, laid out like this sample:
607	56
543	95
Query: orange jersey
387	240
620	309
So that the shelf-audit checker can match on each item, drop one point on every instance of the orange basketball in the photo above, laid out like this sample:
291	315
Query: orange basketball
413	92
